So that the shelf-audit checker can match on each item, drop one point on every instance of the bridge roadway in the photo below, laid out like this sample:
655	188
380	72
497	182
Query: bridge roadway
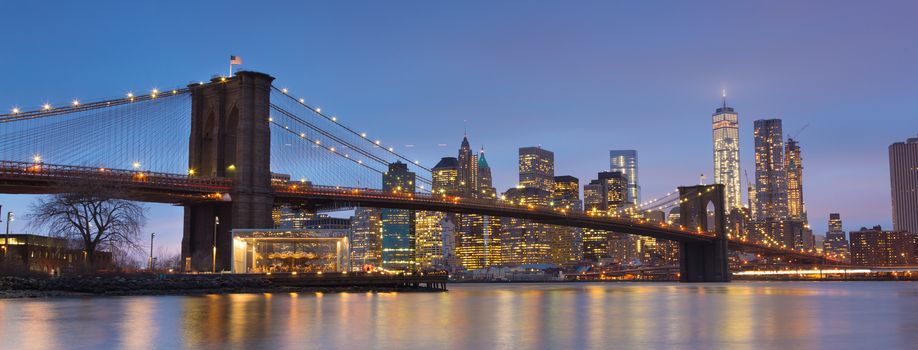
41	178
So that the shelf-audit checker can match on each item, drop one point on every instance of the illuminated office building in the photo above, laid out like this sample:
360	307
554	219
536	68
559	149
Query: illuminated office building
366	239
565	245
467	170
626	163
903	180
477	236
726	154
836	242
523	241
771	178
479	242
485	182
428	228
537	168
566	193
771	184
793	165
445	176
398	225
438	230
606	196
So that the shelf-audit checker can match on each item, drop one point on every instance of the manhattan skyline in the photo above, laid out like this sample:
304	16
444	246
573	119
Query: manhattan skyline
604	82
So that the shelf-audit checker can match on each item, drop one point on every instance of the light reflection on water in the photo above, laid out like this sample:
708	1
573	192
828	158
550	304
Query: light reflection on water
739	315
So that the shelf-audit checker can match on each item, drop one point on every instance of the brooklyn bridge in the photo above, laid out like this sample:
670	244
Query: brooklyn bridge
236	147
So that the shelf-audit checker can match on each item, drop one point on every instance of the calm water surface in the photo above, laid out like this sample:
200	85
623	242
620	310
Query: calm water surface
739	315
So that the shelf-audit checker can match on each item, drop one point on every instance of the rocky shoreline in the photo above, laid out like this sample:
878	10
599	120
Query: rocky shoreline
142	284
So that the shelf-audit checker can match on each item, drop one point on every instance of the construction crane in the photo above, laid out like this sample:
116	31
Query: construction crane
794	136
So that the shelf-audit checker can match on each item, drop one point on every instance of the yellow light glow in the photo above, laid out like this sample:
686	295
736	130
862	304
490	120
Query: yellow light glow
136	165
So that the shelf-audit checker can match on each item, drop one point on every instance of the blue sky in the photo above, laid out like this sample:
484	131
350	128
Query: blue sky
577	78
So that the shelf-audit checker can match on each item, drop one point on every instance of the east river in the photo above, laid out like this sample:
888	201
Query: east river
738	315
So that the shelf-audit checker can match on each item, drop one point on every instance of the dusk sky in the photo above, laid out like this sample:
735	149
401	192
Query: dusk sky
578	79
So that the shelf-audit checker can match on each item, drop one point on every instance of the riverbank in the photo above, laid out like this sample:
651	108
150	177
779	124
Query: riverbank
146	284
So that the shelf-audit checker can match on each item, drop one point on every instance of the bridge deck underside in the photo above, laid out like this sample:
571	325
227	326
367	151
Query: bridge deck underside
174	189
326	200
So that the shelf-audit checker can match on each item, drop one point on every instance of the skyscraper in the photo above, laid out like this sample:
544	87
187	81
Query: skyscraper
566	193
485	184
537	168
903	181
626	163
429	230
566	241
523	241
771	179
398	225
445	176
835	244
366	239
467	169
606	196
726	154
435	229
793	165
477	236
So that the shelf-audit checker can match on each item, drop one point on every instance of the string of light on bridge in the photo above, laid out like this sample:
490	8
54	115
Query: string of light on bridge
363	135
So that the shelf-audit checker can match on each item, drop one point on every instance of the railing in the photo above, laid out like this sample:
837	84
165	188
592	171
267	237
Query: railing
71	173
213	186
498	204
494	204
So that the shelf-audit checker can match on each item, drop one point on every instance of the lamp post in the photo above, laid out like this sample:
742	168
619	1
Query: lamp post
214	264
9	217
152	234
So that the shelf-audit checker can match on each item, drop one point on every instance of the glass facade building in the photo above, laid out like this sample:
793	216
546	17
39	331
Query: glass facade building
771	185
793	165
398	225
626	163
366	239
725	128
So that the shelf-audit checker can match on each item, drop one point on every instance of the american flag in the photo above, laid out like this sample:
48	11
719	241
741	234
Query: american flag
235	60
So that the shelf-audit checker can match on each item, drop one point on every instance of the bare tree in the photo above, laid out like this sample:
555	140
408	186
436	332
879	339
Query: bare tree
93	216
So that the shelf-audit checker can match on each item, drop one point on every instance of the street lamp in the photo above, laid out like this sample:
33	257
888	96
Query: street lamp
214	264
152	234
9	217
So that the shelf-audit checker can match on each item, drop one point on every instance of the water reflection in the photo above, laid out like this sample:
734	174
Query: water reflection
483	316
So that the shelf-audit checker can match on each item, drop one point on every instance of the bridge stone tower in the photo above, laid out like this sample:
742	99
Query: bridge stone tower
230	138
702	207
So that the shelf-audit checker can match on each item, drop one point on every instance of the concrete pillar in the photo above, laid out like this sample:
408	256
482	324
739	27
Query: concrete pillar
230	138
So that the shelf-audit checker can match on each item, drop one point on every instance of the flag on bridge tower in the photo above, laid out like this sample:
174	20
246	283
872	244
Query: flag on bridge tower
234	60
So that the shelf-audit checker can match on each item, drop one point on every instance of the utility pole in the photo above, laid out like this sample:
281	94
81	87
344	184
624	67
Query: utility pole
152	234
214	264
